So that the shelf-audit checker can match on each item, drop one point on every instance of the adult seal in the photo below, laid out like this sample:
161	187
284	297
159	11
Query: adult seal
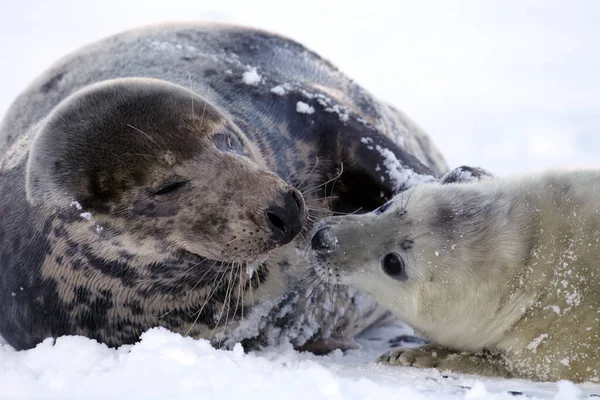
167	176
501	275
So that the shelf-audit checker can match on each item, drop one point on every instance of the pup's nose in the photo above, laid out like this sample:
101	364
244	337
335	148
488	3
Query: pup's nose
286	222
322	241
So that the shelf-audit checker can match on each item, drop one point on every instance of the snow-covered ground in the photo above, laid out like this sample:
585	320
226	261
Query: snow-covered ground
165	365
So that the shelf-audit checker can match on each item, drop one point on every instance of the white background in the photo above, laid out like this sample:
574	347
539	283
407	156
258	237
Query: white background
508	85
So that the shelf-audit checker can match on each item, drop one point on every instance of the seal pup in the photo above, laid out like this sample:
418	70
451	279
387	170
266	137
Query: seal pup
501	275
154	178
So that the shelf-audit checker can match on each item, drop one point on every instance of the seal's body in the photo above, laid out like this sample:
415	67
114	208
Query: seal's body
154	178
506	270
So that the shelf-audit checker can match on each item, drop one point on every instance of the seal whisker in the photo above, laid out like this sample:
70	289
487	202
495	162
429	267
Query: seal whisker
334	212
302	238
318	303
333	291
225	303
334	182
308	278
309	299
204	109
191	290
404	207
240	290
230	289
421	235
139	155
251	290
325	183
328	197
192	91
307	176
316	290
311	283
147	136
213	289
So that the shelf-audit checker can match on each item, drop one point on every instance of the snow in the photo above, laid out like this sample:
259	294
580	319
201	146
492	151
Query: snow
279	90
568	391
342	111
533	345
165	365
251	77
304	108
86	215
402	178
462	175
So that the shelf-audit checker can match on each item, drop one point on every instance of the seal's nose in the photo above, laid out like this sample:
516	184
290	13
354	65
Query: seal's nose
286	222
322	242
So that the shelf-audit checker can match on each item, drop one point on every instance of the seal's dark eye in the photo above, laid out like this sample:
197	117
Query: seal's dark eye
170	187
228	141
384	207
394	267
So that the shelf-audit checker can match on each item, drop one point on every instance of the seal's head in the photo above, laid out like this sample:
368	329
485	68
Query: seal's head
162	169
431	254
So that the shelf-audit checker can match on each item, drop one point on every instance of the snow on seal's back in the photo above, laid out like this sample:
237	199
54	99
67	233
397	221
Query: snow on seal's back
304	108
251	77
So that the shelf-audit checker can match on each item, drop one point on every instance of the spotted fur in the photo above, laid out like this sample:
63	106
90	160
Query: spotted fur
88	245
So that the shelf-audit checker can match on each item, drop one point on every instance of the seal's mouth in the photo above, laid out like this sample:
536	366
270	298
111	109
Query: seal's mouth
254	265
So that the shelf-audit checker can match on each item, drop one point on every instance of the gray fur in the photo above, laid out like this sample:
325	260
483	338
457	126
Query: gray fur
89	246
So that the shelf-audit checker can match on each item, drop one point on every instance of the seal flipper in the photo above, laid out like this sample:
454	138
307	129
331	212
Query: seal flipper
374	169
432	355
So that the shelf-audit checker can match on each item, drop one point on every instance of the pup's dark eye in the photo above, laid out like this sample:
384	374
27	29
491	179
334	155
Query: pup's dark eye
228	141
394	266
384	207
170	187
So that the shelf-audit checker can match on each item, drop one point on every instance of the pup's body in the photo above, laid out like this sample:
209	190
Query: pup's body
506	270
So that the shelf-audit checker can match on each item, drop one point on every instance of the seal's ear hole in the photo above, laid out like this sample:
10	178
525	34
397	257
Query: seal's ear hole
275	221
170	187
394	266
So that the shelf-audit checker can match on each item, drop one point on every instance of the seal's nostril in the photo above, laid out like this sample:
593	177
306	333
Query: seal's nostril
286	219
322	241
276	222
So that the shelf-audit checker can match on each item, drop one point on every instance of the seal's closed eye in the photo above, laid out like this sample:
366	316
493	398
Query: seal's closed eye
170	187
